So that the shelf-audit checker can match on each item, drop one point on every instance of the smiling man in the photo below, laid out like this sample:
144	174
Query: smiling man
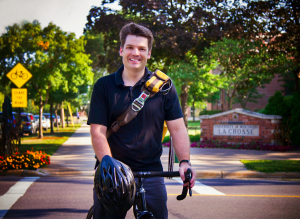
138	143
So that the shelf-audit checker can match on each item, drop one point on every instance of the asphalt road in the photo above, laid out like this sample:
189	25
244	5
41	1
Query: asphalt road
71	197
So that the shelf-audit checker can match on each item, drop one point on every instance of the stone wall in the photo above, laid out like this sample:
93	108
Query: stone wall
240	126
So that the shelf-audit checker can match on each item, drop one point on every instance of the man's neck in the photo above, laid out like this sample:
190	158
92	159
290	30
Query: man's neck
130	78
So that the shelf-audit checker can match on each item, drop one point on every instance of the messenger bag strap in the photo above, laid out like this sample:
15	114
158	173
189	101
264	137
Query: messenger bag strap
155	84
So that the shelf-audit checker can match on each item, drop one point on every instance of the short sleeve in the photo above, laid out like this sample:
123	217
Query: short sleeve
172	105
98	105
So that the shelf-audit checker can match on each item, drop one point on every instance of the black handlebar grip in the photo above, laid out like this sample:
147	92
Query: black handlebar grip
188	177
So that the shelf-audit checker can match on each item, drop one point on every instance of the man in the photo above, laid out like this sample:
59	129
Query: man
138	143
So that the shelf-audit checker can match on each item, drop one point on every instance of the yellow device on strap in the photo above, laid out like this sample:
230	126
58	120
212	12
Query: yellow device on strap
157	81
165	129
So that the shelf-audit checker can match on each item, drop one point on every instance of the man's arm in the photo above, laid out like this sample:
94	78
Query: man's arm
99	141
181	144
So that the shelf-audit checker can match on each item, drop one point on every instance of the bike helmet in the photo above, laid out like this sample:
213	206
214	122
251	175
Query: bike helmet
114	185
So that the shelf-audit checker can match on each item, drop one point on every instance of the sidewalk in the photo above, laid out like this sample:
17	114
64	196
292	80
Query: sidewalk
76	158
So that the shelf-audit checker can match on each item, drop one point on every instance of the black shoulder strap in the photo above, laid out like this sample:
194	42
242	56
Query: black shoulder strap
155	84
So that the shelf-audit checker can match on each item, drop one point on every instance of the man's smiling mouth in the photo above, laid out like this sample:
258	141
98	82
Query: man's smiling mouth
135	60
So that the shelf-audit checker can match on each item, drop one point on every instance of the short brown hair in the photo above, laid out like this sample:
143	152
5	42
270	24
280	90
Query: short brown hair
137	30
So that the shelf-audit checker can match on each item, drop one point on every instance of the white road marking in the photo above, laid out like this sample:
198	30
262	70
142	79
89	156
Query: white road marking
201	188
14	193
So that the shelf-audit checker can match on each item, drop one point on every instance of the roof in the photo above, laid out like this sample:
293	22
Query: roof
244	112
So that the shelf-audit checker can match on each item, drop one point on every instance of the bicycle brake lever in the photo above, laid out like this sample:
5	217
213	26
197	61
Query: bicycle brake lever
188	177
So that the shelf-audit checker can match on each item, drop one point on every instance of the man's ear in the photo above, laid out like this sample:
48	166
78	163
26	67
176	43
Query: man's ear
121	51
149	55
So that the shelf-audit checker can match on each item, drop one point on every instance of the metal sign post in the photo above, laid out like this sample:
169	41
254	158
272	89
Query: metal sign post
19	76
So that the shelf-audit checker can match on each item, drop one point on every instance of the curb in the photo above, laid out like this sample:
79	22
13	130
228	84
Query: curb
246	174
23	173
199	174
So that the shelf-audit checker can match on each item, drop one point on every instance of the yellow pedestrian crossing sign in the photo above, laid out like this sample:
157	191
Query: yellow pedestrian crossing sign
19	75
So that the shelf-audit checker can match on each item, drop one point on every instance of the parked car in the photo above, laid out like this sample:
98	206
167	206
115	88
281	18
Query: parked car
45	122
14	118
47	115
28	122
13	121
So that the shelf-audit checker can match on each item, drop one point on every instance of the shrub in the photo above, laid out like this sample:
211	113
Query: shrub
28	160
212	143
289	108
294	122
277	105
210	112
192	138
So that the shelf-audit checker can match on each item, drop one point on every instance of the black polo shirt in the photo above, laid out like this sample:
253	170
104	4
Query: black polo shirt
138	143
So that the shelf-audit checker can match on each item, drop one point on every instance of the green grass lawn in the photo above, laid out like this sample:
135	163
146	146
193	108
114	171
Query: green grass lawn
193	131
194	124
272	166
50	143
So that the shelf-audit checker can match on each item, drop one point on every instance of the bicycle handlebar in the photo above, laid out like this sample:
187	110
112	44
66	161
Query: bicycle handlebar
188	177
149	174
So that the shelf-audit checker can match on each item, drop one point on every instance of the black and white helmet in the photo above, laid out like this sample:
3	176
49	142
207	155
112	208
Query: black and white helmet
114	185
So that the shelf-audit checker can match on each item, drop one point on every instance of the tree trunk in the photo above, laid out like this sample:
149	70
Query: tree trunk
62	119
230	103
67	118
183	99
297	78
56	119
244	103
51	118
222	99
40	120
55	111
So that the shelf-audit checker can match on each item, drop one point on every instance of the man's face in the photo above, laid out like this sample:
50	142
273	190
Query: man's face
135	52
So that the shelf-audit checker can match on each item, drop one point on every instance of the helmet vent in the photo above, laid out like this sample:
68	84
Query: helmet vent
123	171
109	170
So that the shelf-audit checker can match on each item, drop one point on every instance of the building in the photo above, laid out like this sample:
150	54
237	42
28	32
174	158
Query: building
269	90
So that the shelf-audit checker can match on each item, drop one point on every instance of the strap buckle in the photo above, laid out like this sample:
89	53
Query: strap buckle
166	91
139	102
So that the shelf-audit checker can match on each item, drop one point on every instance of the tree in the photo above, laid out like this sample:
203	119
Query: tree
249	95
54	58
177	26
243	63
275	21
95	49
188	75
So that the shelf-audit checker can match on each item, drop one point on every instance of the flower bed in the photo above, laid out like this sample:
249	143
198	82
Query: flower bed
212	143
28	160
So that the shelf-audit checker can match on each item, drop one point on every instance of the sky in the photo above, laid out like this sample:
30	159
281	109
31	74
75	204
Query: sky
69	15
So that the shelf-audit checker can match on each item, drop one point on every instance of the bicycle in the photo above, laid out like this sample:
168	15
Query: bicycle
140	211
20	75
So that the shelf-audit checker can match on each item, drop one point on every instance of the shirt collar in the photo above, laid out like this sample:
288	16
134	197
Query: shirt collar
119	79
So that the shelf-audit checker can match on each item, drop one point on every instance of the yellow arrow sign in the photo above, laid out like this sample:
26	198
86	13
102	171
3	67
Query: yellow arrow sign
19	97
19	75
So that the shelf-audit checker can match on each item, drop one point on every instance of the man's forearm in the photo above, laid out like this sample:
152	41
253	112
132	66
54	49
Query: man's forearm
180	138
99	142
181	144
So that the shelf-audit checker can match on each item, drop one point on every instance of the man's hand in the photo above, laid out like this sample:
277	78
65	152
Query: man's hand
182	169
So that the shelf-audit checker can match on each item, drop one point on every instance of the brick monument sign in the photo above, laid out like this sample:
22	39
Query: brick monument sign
240	126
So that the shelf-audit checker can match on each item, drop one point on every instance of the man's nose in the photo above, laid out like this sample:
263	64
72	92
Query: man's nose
135	51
